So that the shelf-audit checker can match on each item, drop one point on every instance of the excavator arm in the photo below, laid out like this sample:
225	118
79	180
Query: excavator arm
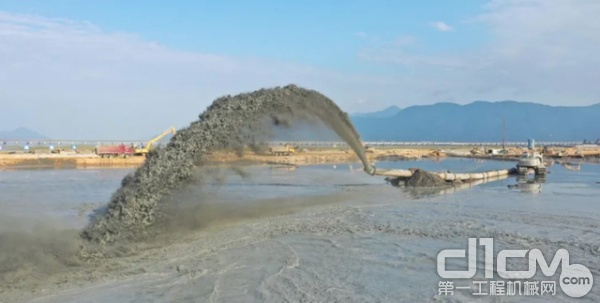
568	152
146	148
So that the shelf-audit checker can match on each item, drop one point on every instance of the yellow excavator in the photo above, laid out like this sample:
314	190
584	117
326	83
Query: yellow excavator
569	152
145	149
477	151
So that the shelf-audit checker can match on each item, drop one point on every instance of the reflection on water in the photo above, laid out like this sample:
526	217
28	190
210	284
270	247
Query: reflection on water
56	194
530	185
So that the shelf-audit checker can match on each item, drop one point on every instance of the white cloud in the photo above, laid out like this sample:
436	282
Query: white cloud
441	26
538	50
544	46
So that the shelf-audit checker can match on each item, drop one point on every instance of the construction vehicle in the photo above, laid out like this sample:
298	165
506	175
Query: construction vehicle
533	161
569	152
477	151
549	151
284	150
438	153
581	151
145	149
114	151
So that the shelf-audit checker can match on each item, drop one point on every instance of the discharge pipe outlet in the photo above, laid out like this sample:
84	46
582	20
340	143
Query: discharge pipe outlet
370	169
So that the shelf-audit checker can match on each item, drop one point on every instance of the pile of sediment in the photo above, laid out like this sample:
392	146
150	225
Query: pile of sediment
231	122
419	178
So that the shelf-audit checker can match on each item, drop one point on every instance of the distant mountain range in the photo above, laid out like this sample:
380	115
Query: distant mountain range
385	113
482	121
22	133
479	121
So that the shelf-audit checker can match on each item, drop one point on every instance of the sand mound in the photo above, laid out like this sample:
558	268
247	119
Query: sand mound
419	178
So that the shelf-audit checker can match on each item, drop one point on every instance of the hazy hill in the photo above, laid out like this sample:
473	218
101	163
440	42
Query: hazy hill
385	113
482	121
21	133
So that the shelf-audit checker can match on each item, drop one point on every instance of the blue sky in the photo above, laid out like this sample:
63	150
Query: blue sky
73	61
321	33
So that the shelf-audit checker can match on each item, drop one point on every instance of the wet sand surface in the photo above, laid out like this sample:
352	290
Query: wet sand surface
314	234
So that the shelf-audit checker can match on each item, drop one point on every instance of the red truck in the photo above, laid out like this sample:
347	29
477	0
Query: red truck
113	151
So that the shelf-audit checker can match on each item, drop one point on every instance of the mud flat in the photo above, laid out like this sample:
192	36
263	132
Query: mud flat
331	235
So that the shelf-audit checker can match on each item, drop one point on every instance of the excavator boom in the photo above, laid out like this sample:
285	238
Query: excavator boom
148	145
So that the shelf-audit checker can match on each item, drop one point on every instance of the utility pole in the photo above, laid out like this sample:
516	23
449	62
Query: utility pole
504	133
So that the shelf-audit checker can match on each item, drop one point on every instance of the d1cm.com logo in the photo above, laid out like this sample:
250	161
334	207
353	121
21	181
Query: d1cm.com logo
575	280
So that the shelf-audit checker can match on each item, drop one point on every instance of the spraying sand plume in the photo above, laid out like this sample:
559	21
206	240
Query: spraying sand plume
229	123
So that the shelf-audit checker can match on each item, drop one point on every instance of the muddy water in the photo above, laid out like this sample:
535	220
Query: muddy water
57	194
356	240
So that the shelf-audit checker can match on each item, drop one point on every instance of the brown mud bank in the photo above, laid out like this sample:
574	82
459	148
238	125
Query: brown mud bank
323	156
32	161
